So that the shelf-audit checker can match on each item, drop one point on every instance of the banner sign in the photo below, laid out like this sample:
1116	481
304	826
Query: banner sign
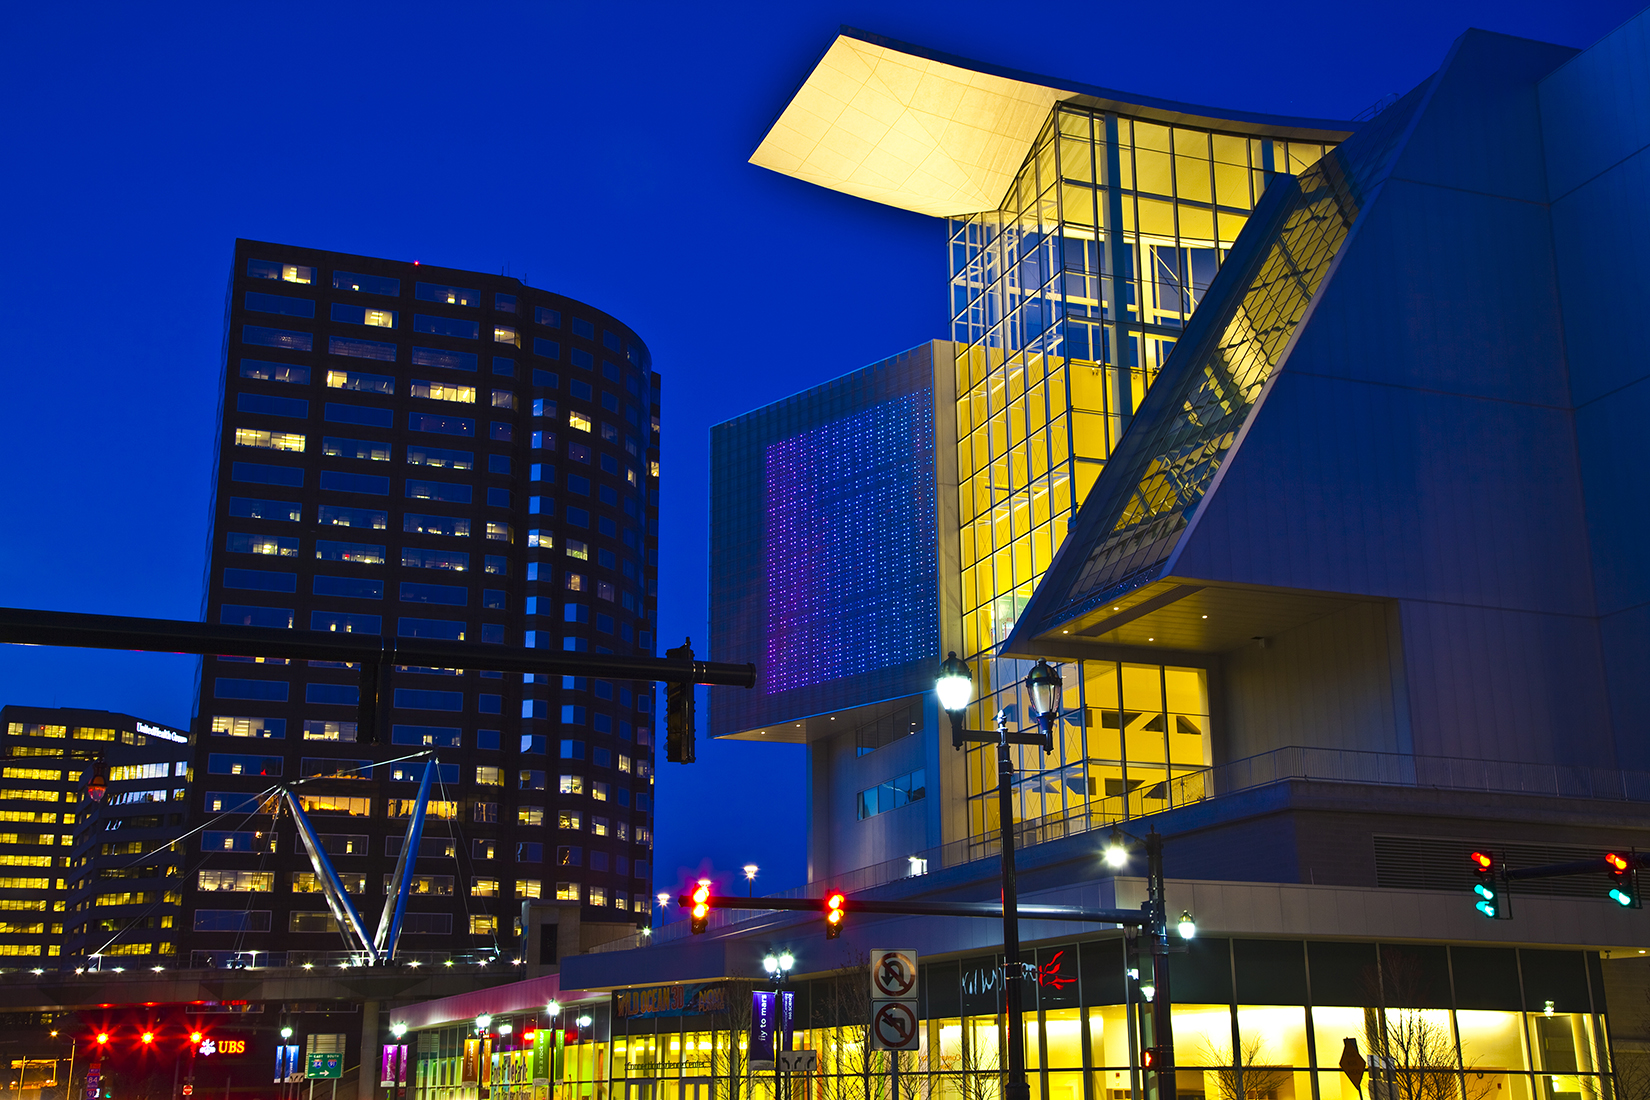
288	1066
487	1061
764	1013
470	1069
787	1002
393	1068
699	999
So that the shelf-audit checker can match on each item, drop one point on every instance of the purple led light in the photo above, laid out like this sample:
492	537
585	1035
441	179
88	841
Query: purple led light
850	546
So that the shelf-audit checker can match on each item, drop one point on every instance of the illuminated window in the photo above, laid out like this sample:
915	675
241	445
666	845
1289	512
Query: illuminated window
449	295
335	515
251	882
503	334
233	726
329	731
439	886
579	421
419	455
528	887
403	807
577	549
599	826
500	532
571	784
598	895
335	804
444	391
653	468
598	791
366	449
504	399
416	524
569	819
489	776
484	887
356	380
273	441
567	891
272	545
624	762
483	925
286	273
364	552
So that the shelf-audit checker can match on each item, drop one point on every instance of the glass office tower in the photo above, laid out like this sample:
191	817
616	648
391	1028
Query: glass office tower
421	452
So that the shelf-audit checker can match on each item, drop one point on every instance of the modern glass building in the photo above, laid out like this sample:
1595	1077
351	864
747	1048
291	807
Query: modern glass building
411	451
1295	446
90	881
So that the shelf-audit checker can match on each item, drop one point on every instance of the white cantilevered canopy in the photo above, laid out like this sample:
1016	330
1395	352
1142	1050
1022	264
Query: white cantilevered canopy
902	130
941	135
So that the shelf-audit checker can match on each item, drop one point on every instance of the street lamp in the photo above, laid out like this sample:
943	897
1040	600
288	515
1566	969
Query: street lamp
1117	853
750	877
583	1021
483	1022
396	1030
286	1033
553	1008
1187	926
955	687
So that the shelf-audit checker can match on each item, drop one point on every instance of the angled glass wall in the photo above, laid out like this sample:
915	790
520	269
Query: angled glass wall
1065	303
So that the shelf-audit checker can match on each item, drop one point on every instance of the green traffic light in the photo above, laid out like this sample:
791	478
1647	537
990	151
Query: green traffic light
1486	908
1621	897
1484	892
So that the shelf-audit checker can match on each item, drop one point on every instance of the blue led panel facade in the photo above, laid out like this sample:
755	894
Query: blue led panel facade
824	530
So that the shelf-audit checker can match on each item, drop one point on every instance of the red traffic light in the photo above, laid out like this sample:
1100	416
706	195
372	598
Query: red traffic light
833	914
1618	864
1148	1058
148	1037
102	1038
1482	862
189	1090
699	916
195	1036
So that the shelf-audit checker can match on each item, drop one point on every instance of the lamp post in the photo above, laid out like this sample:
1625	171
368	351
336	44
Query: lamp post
955	687
750	878
779	969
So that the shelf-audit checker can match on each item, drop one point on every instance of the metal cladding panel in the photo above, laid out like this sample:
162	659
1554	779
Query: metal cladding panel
1397	492
1482	130
1625	637
1497	685
1445	290
1595	109
1609	437
1601	235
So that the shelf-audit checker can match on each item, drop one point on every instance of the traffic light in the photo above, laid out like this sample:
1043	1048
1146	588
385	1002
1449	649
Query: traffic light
1489	886
195	1037
103	1038
148	1038
1151	1058
699	915
1624	885
833	914
679	746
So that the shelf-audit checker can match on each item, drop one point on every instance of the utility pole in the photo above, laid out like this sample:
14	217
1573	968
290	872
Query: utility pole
1017	1087
1162	1020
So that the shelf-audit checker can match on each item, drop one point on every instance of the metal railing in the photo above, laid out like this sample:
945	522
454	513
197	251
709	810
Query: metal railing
1290	763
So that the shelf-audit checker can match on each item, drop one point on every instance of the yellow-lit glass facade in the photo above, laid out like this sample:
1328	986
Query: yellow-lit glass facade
1065	303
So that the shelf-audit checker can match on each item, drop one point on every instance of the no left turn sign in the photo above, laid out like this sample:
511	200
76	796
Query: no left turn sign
894	1026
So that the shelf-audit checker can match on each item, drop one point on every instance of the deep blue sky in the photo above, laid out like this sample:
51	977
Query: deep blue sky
597	150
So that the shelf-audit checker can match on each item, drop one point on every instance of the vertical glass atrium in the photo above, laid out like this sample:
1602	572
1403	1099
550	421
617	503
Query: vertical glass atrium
1066	301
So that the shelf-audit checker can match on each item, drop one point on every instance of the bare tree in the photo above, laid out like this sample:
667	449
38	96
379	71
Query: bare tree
729	1067
1411	1055
1257	1080
847	1067
970	1070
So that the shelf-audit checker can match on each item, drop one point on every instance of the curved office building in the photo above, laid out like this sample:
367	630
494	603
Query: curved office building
417	452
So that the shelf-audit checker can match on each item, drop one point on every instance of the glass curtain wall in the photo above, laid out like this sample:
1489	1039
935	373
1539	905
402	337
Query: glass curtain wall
1065	302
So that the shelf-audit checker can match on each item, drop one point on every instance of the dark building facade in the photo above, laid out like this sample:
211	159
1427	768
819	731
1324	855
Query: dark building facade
90	881
420	452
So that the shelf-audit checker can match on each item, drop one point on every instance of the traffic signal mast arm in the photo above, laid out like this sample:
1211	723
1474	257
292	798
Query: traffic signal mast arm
930	909
1579	867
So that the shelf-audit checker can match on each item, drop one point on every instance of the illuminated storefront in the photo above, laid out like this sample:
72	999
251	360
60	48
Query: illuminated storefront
1432	1023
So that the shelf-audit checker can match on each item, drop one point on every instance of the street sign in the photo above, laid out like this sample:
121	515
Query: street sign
894	1025
893	974
797	1061
322	1066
